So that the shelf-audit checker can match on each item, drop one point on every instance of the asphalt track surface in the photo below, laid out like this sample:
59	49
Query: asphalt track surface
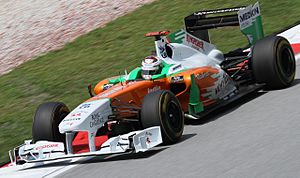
256	136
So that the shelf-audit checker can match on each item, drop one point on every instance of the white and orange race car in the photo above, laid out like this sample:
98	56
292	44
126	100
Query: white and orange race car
129	113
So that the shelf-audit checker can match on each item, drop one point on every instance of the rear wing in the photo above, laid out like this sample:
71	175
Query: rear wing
248	18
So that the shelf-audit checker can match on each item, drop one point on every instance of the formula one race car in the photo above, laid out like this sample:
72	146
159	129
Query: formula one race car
187	78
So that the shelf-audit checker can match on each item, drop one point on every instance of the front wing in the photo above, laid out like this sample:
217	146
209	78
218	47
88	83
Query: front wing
136	141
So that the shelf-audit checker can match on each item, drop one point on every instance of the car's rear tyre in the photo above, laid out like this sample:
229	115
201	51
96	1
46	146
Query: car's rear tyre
162	108
46	120
273	62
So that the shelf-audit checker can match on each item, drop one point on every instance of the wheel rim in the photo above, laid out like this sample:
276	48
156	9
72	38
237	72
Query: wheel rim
173	115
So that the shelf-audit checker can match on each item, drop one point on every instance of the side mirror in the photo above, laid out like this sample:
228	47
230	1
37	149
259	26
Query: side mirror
90	90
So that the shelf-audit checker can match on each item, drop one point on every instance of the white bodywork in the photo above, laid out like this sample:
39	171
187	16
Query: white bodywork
41	150
88	116
193	53
137	141
189	57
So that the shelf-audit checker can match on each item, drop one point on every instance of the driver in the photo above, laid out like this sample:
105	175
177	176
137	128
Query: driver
151	65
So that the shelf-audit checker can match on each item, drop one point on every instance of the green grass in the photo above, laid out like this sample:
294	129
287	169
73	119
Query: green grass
63	75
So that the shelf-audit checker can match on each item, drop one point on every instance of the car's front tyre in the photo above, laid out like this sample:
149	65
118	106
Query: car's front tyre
46	120
162	108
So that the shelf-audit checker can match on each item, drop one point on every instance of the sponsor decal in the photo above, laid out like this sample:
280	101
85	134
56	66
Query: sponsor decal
150	90
109	92
72	119
85	105
148	140
76	114
107	86
251	13
202	75
148	133
177	79
251	23
219	11
177	67
47	146
162	51
92	134
222	84
131	83
196	43
97	119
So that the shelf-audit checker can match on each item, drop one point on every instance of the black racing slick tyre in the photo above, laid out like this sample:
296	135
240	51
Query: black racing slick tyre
273	62
162	108
46	120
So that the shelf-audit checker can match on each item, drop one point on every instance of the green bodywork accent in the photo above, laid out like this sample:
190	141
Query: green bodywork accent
118	79
195	105
135	74
177	37
251	23
254	32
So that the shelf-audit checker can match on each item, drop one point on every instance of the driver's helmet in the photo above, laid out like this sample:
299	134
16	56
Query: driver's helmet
150	66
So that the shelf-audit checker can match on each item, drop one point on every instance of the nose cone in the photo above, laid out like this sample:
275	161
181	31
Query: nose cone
87	116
